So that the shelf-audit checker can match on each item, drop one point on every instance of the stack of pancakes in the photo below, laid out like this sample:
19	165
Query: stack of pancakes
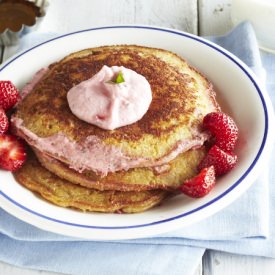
129	169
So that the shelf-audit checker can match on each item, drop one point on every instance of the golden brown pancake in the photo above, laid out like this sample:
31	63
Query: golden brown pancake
129	169
181	98
63	193
168	177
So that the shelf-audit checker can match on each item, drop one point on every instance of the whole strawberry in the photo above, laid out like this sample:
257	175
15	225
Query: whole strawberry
12	152
223	128
4	122
222	161
9	95
201	184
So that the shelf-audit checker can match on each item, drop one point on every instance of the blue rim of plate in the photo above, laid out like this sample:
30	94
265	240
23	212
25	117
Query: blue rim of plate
209	44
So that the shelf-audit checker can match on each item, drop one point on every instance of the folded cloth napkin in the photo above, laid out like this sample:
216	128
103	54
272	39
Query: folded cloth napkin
243	227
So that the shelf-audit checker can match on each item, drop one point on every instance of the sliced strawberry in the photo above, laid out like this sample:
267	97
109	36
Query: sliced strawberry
12	152
9	95
222	161
201	184
4	122
223	128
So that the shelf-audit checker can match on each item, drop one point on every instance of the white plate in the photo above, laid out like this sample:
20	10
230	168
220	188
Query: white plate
242	96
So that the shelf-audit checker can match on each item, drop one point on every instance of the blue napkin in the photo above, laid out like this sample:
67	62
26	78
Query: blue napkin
243	227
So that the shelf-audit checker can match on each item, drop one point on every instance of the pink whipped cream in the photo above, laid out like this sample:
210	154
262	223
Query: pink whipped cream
94	155
109	105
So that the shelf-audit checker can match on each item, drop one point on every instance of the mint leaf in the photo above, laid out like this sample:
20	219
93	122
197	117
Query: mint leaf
119	78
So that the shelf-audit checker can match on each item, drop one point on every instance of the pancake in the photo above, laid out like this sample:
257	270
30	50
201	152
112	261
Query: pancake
168	177
63	193
171	126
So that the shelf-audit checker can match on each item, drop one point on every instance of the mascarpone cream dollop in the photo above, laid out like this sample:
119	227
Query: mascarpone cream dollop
109	105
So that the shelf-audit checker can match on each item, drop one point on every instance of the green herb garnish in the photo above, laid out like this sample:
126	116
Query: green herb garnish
119	78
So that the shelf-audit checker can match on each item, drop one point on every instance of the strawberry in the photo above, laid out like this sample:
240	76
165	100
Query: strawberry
222	161
223	128
4	121
9	95
201	184
12	152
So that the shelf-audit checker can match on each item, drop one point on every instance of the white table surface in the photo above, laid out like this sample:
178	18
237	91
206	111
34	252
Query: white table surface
202	17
